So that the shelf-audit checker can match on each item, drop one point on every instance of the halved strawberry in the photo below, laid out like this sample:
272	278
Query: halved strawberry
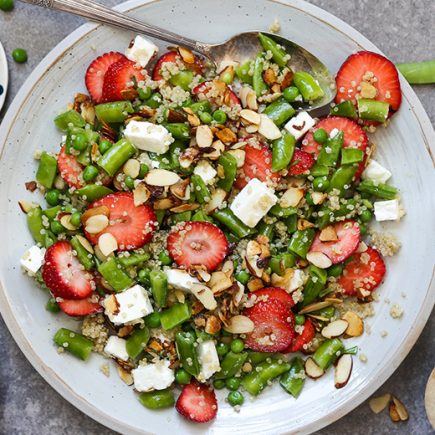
348	235
119	79
64	275
276	293
79	307
303	338
203	88
300	163
70	169
172	57
363	273
354	137
258	164
194	243
94	77
132	226
197	402
371	67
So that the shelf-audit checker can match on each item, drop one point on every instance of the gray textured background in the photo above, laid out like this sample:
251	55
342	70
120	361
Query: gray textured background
404	30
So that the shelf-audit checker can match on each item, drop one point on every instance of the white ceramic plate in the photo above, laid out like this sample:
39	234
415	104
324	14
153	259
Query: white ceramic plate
3	76
404	148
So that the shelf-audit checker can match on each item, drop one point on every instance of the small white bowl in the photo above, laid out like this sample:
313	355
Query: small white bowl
3	76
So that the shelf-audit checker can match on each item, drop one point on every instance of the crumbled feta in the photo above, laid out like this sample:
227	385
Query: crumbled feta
133	304
376	172
150	377
334	133
31	260
297	280
300	124
116	347
208	359
180	279
387	210
141	51
206	171
253	202
148	137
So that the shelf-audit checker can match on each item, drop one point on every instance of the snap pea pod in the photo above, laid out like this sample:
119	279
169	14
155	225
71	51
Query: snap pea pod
418	73
320	274
312	290
179	130
258	83
137	341
345	109
49	239
255	382
293	381
327	353
279	55
229	165
308	86
116	111
351	350
182	79
85	258
242	72
319	170
52	306
282	152
34	222
256	358
279	263
186	350
181	217
133	259
116	156
342	178
351	155
174	316
301	241
383	191
200	189
279	111
373	110
52	212
327	215
114	275
233	223
200	216
200	106
231	364
281	212
74	343
159	287
154	101
327	312
292	223
157	399
47	169
68	118
92	192
330	151
175	149
265	230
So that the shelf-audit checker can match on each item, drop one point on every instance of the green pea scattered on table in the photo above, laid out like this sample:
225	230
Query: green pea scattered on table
19	55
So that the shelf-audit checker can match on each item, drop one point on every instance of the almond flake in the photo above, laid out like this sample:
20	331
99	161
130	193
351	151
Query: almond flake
65	220
312	370
316	306
204	136
239	155
204	295
356	324
94	211
335	329
185	207
227	136
268	128
163	204
107	244
328	234
181	190
378	404
26	206
161	177
125	375
255	284
96	224
343	370
217	198
141	194
240	325
250	117
186	54
219	282
131	168
85	243
319	259
291	197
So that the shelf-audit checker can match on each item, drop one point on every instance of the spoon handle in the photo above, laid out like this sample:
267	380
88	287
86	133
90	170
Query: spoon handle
96	12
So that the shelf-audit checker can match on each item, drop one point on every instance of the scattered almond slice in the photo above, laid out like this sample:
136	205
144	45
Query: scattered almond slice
204	136
217	198
65	220
429	399
185	207
318	197
319	259
312	370
291	197
131	168
141	194
314	307
26	206
228	268
250	117
356	324
163	204
204	295
268	129
161	177
107	244
239	155
304	224
394	414
186	55
255	284
85	243
96	224
240	325
328	234
125	375
227	136
181	190
102	210
219	282
401	409
248	98
335	329
343	370
378	404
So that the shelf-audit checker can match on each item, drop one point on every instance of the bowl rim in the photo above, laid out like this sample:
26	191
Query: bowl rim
428	136
4	68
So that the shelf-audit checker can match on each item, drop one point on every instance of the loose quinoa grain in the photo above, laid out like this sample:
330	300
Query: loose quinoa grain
396	311
105	369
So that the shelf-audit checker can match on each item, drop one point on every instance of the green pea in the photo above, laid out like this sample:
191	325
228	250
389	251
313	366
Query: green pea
309	198
320	135
153	320
222	349
76	219
220	116
144	169
366	216
205	117
129	182
243	277
182	377
291	93
6	5
144	276
237	345
56	227
144	93
235	398
80	142
232	384
219	384
165	259
52	197
90	173
299	319
104	145
321	184
362	229
19	55
335	270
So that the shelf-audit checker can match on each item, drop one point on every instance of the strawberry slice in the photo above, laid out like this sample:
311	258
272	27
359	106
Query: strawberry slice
373	68
70	169
79	307
119	80
348	235
64	275
363	273
193	243
96	71
197	402
172	57
258	164
278	294
132	226
300	163
203	88
353	137
303	338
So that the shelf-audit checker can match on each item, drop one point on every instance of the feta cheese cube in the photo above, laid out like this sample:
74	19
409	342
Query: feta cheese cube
205	171
208	359
117	347
334	133
376	172
297	280
300	124
31	260
150	377
253	202
141	51
132	304
387	210
180	279
148	137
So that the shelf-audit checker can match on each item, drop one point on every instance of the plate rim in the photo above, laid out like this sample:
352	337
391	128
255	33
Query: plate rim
4	63
428	136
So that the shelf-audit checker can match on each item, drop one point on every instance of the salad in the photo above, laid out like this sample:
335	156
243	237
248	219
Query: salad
210	233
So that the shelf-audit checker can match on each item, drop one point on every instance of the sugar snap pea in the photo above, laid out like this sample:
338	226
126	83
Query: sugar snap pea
69	118
116	156
74	343
233	223
34	222
174	316
301	241
258	83
92	192
137	341
186	350
47	169
157	399
229	165
231	364
83	255
279	55
328	352
116	111
282	152
293	380
279	111
373	110
308	86
116	277
159	287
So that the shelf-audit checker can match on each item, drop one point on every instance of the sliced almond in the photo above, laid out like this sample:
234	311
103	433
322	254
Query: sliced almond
107	244
318	197
312	370
59	183
401	409
175	116
287	80
252	264
335	329
94	211
362	247
185	207
250	117
213	325
304	224
131	168
180	296
378	404
328	234
283	281
102	258
228	268
96	224
141	194
204	295
316	306
65	220
238	294
164	204
181	190
26	206
111	304
125	375
161	177
240	325
219	282
85	243
394	415
268	128
255	284
319	259
95	152
429	399
217	149
193	120
188	156
227	136
355	324
217	198
343	370
248	98
291	197
186	54
203	274
204	136
252	128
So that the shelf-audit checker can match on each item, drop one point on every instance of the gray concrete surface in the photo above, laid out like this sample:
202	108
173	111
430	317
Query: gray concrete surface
404	30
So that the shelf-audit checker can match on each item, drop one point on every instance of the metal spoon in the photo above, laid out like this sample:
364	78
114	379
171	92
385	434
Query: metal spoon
239	48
